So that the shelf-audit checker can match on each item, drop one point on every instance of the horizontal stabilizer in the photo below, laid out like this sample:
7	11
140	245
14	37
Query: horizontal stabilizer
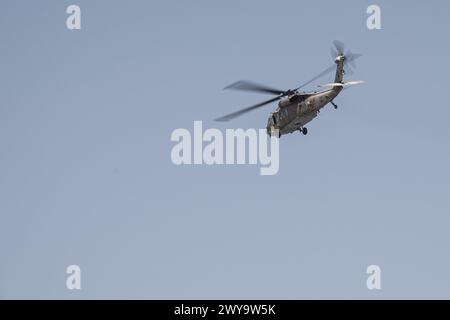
345	84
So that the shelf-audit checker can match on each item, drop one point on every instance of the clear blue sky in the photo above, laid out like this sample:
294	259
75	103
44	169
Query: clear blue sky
86	176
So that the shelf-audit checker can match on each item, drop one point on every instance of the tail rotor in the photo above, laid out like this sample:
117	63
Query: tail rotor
338	50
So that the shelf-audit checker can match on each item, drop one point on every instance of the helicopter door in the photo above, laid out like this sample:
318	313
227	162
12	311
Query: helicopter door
283	113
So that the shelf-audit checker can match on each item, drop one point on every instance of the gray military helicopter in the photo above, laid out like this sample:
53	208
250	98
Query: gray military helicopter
297	108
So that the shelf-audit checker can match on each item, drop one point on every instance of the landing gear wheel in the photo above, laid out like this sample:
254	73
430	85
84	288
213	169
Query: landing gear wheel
334	105
305	131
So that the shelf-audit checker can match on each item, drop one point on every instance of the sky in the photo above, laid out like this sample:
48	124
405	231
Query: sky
86	176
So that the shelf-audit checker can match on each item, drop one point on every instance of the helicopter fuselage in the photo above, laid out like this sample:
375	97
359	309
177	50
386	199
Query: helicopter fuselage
295	111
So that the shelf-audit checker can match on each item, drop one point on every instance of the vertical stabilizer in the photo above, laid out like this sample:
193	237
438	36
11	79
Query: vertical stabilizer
339	78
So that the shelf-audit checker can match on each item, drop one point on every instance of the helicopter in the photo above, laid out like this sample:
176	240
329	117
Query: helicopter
297	108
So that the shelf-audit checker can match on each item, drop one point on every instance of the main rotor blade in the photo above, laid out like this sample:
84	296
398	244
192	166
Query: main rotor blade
324	72
255	87
241	112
